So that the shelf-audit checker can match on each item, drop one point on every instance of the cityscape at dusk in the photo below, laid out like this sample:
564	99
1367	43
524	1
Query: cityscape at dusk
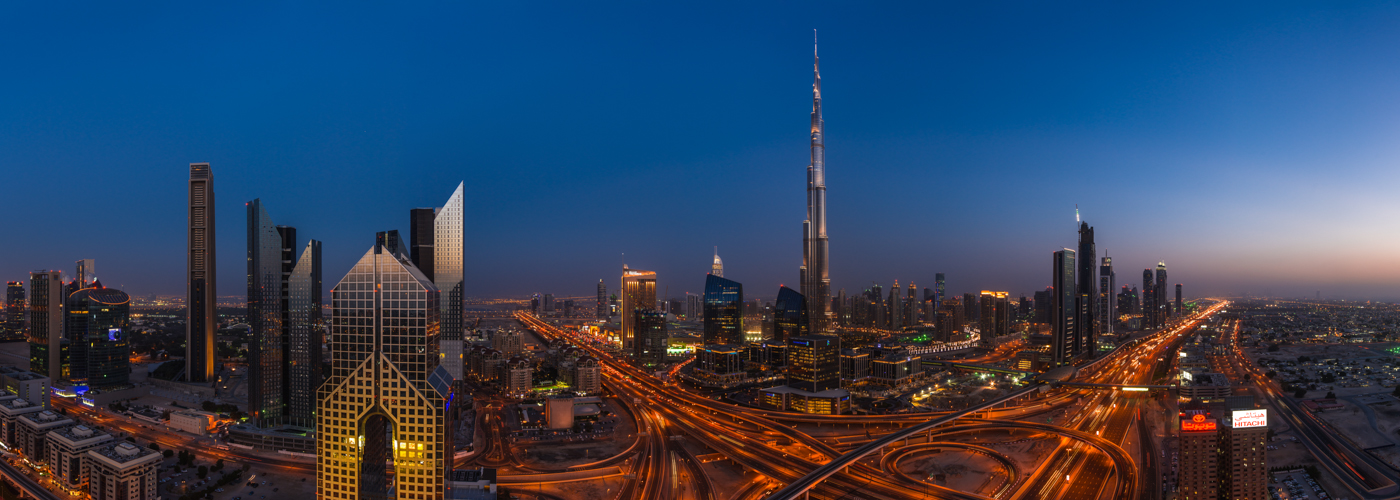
478	251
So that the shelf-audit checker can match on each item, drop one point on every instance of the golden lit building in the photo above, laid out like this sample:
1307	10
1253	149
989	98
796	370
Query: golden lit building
638	292
387	397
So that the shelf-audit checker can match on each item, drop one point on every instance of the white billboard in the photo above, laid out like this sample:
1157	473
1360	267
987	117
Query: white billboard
1244	419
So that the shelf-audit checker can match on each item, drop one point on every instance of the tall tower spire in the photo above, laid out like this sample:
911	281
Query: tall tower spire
717	268
816	280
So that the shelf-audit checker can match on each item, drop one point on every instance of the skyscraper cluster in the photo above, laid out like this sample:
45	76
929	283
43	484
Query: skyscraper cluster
284	314
78	331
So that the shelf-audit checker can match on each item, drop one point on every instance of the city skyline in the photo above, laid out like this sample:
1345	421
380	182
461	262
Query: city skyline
930	172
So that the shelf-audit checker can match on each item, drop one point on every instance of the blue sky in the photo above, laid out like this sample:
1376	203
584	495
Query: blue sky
1250	146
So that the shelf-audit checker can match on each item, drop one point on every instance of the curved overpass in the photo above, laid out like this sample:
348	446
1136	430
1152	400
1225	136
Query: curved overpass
890	462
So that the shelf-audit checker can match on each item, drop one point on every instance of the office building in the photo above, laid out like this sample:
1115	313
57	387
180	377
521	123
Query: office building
724	306
386	399
201	301
649	347
442	261
99	355
996	317
15	310
940	290
46	299
1087	295
122	471
601	307
1064	336
790	315
194	422
638	292
67	454
815	279
717	268
1043	305
814	362
26	385
284	314
1179	307
1149	300
509	342
1163	301
970	310
1243	469
1199	443
894	306
1108	303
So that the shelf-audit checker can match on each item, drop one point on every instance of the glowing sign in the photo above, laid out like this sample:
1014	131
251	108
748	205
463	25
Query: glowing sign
1244	419
1135	389
1198	422
114	334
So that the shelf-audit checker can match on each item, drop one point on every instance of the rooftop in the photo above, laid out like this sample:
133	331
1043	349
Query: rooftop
123	453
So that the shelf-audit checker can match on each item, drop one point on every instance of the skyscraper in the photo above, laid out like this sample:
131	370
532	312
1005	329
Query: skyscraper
201	301
940	290
814	363
98	353
1108	303
387	398
717	268
1164	304
1064	341
789	315
46	324
894	308
449	243
284	314
1179	309
816	280
996	316
1087	296
649	346
303	320
16	307
601	308
1149	300
87	272
420	238
724	311
638	292
911	310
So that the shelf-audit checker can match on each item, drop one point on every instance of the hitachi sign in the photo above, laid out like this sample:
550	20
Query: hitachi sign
1244	419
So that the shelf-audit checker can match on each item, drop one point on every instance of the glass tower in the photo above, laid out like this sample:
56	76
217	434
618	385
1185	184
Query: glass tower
46	324
1064	341
724	311
638	292
304	326
814	363
789	315
1087	293
15	307
387	399
98	319
265	348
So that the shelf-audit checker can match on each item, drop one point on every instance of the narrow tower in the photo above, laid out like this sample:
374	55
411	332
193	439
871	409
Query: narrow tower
200	303
816	281
717	268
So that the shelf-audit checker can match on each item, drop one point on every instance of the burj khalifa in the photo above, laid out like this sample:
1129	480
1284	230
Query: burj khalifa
816	280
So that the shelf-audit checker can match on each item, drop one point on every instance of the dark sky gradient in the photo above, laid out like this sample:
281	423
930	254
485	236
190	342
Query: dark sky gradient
1250	146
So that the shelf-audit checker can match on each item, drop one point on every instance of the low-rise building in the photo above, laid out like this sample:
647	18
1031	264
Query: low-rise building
785	398
32	432
28	385
67	455
1204	386
11	407
122	471
193	421
472	484
285	438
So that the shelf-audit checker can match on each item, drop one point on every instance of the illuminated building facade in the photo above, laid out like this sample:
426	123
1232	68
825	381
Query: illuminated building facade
789	315
814	363
1199	454
649	346
1108	303
1064	336
1164	304
717	268
15	309
284	312
1243	471
996	316
601	307
387	398
201	300
46	324
1149	301
99	355
638	292
816	280
724	311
